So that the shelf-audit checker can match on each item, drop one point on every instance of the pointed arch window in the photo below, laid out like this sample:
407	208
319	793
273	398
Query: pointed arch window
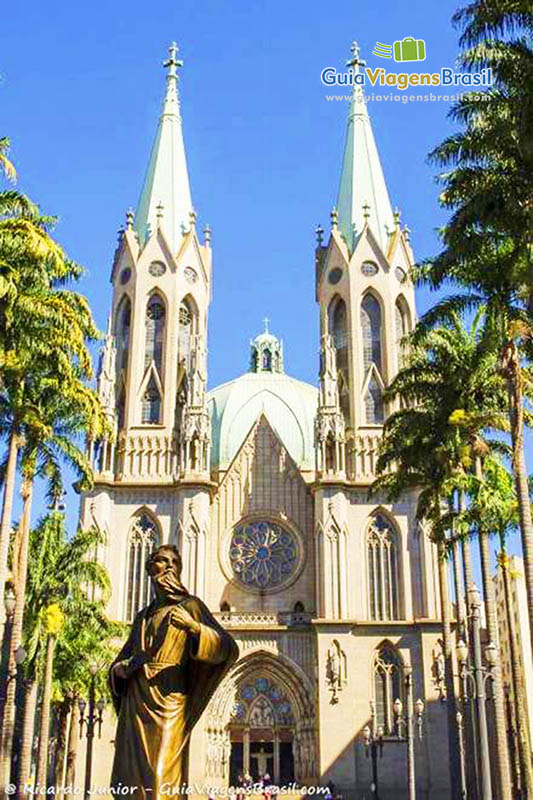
155	332
388	686
382	559
267	360
403	326
122	333
374	413
151	404
338	328
121	407
186	328
143	539
371	331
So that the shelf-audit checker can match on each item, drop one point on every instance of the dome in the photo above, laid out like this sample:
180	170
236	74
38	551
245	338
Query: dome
289	406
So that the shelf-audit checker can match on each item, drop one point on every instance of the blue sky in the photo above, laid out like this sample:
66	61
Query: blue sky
80	92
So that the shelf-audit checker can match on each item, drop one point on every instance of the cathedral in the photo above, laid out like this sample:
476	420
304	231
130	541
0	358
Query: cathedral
262	483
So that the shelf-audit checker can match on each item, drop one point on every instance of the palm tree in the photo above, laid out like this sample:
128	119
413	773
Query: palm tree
488	188
61	572
5	164
448	392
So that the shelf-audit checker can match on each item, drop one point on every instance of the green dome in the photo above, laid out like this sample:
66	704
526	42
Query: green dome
288	404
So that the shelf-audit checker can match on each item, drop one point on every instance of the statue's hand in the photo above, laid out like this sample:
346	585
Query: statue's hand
181	618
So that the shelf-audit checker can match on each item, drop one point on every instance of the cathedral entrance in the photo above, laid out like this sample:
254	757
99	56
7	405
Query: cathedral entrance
260	752
258	724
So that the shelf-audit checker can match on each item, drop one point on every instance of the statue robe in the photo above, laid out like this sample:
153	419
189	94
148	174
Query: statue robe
171	677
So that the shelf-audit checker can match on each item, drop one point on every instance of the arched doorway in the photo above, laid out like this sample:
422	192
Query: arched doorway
261	732
263	718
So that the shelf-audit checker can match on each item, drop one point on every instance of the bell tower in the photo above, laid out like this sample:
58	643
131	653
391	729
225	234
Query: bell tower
161	277
366	302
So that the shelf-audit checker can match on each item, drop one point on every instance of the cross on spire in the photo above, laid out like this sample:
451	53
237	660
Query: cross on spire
173	62
266	321
355	62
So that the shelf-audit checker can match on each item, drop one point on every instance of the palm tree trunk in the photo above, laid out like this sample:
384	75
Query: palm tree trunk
7	510
8	721
61	744
502	746
73	741
44	728
451	706
28	730
513	374
518	690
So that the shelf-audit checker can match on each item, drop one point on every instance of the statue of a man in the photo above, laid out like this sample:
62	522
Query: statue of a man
161	681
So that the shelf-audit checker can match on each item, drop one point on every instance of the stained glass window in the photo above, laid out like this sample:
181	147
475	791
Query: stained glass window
374	413
262	554
155	331
371	330
382	569
387	687
185	319
122	332
144	538
262	703
151	406
369	269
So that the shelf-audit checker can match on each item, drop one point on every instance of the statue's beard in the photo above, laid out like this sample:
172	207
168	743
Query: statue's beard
167	585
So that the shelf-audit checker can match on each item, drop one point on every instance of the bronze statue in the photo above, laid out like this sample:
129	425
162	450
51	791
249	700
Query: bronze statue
161	681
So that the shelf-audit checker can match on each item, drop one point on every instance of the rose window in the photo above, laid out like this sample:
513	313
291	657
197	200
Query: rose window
263	554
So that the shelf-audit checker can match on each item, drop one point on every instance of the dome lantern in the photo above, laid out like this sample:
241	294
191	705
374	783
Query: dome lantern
266	352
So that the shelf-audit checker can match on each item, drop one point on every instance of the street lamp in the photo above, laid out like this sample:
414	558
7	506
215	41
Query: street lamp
473	682
373	739
95	715
407	721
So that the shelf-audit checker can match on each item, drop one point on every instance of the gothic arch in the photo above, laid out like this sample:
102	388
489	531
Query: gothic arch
122	329
372	317
144	535
383	566
387	684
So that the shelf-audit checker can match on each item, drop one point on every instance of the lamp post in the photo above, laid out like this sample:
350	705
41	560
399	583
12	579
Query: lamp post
460	728
407	721
373	739
95	715
473	681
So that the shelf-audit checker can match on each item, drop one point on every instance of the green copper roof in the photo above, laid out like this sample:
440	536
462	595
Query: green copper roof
288	404
362	182
166	183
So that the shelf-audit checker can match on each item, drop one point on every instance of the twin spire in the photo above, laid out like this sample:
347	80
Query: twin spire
363	196
166	195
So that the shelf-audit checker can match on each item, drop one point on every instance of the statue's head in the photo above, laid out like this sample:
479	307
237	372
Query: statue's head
164	566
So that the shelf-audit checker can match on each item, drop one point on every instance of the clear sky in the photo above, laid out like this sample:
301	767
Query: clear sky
81	86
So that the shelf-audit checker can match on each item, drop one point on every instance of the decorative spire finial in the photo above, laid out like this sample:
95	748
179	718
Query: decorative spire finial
355	62
120	234
207	234
171	63
159	211
334	217
366	211
319	230
130	216
407	233
192	217
266	321
397	216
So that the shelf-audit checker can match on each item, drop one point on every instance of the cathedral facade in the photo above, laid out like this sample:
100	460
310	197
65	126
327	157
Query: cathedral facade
262	483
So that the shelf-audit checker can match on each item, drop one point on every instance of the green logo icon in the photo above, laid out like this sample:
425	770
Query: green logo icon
407	49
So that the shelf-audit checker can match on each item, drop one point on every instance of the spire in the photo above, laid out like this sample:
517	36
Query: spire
166	183
362	182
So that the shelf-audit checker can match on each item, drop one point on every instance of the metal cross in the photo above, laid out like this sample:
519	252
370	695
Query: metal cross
173	62
266	321
355	61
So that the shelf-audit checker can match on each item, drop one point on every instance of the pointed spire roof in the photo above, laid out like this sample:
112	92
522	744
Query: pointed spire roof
362	182
166	197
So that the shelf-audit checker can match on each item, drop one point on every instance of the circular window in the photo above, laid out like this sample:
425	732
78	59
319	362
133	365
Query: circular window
125	275
400	274
335	275
157	268
263	555
368	268
190	274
